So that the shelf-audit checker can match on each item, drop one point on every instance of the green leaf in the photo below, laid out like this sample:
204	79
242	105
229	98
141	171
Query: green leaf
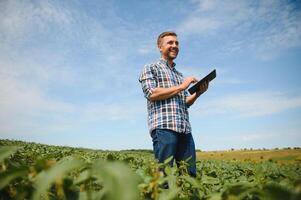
236	190
171	178
10	175
215	196
276	192
118	180
209	180
83	176
192	181
188	159
169	194
168	160
45	178
6	151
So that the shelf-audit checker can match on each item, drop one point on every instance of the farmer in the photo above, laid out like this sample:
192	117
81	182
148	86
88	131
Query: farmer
167	104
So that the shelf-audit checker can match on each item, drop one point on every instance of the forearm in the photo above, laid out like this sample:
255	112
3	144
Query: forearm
164	93
191	99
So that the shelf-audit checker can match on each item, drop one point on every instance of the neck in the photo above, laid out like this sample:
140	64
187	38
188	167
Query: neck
169	61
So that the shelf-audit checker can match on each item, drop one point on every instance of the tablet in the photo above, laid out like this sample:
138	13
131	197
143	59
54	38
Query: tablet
207	78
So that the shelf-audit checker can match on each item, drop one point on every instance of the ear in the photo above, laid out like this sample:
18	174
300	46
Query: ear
159	47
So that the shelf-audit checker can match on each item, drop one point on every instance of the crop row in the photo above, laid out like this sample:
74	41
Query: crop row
35	171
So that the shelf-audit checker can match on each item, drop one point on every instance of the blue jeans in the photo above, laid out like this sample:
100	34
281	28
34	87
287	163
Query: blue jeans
168	143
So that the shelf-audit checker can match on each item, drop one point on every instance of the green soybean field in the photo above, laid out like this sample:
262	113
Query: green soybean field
37	171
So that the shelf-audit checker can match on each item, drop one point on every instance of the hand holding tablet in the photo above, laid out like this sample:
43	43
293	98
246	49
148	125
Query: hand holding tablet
207	79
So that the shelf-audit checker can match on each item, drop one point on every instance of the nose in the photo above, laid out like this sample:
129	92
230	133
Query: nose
174	44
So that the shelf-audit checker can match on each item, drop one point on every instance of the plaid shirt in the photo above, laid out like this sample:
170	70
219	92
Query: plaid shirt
170	113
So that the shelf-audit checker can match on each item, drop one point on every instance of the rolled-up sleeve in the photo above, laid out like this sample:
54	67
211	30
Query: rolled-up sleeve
148	81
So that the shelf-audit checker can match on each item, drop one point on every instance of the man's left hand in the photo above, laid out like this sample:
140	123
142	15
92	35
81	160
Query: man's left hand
203	88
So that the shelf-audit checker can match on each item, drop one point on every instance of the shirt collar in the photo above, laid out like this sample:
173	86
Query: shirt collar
166	63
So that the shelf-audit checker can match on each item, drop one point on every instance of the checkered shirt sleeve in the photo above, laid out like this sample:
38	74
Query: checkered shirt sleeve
147	80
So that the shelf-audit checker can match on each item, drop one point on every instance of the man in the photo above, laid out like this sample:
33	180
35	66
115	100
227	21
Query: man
167	104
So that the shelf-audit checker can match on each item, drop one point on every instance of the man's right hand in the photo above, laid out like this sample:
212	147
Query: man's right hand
185	84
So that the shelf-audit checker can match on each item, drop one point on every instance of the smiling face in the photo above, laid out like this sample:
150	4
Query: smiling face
169	47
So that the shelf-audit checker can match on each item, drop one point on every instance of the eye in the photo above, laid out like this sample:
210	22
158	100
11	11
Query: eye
171	42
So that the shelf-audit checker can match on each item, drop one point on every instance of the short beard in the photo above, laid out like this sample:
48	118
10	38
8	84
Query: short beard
172	57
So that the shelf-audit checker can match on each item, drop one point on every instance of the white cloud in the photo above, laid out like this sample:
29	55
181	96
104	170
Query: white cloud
199	72
206	5
29	105
147	48
214	15
250	104
40	41
18	18
121	111
35	74
267	138
250	137
264	28
198	25
24	108
29	109
28	23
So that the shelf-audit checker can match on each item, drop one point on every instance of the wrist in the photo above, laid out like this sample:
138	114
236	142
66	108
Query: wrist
180	88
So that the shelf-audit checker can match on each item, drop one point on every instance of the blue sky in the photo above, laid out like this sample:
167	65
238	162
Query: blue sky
69	70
